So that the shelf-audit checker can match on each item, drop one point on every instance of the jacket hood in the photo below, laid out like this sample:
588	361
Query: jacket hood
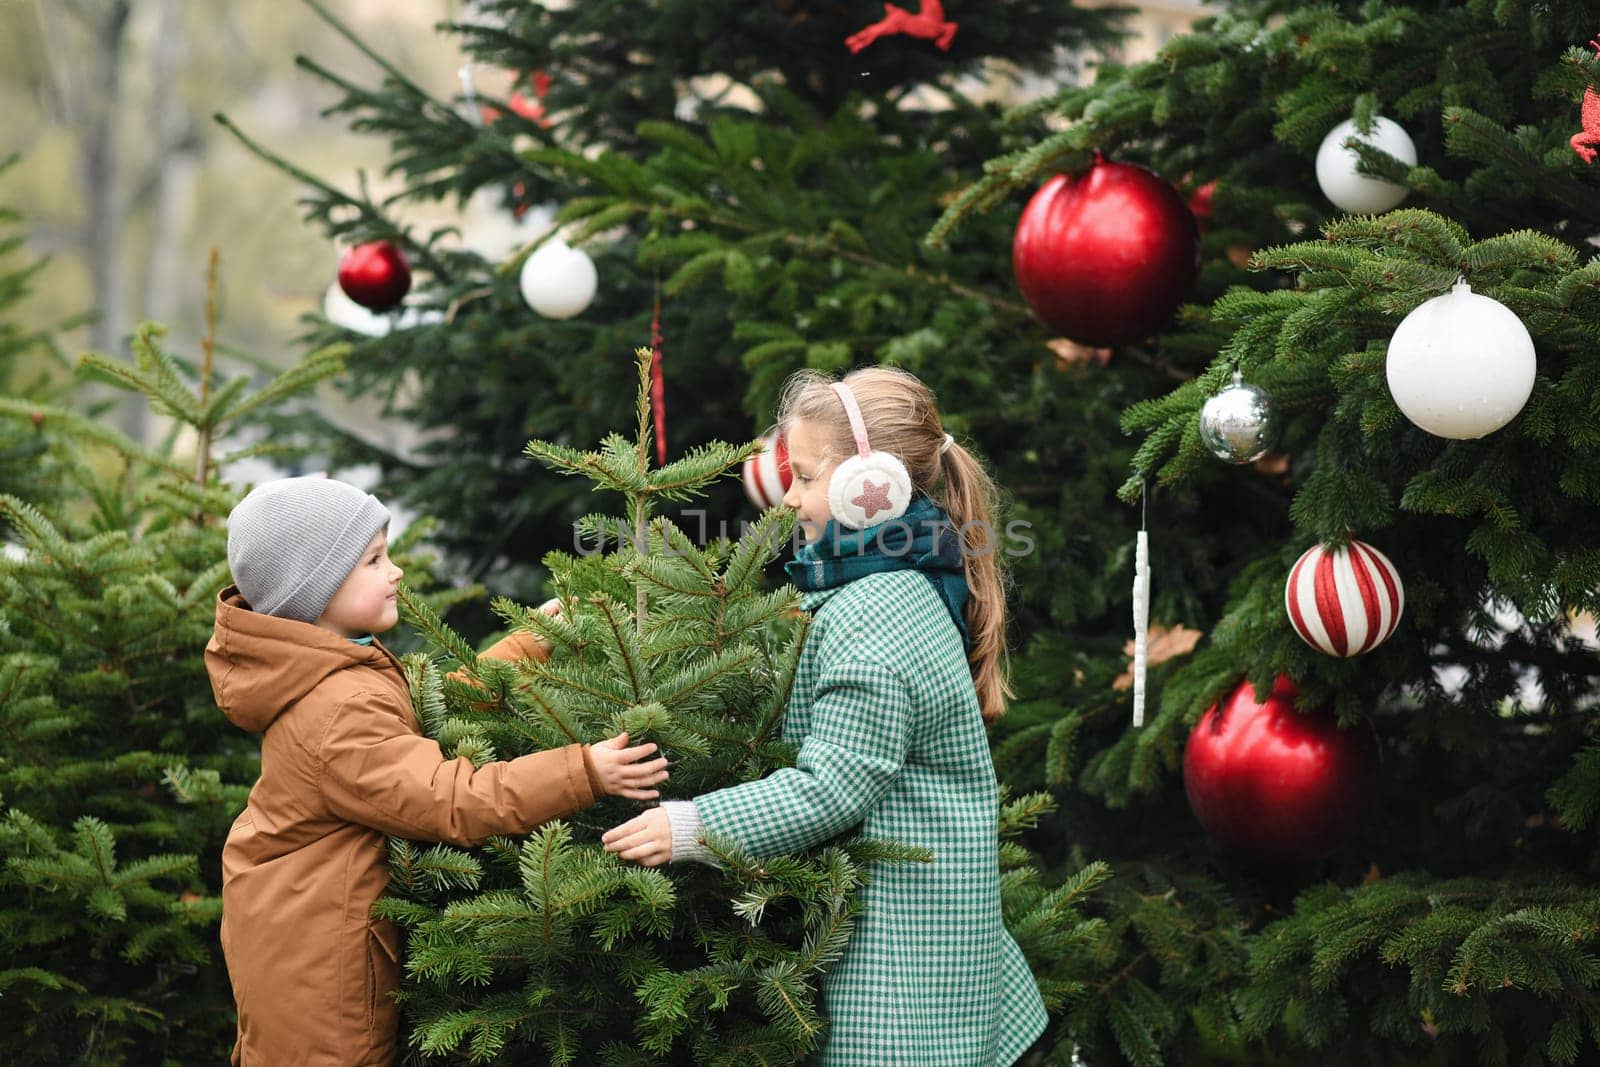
261	665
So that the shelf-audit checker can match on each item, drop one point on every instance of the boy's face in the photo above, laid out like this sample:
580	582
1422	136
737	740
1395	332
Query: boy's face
365	603
808	491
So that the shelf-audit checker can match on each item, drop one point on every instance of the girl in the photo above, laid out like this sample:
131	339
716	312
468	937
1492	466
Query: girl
900	670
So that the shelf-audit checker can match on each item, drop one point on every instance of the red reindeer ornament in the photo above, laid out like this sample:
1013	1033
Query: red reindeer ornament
928	22
1590	134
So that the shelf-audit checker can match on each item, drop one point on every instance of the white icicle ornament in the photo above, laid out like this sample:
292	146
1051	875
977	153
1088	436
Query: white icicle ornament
1141	622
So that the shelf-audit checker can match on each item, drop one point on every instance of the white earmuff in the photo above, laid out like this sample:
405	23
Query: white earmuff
869	487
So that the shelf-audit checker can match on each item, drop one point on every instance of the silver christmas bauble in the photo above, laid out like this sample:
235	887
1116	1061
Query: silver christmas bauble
1238	424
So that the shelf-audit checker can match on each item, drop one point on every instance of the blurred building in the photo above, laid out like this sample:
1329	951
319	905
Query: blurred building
1154	24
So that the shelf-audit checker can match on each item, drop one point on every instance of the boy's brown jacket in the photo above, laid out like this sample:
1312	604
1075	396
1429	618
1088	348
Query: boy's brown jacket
343	763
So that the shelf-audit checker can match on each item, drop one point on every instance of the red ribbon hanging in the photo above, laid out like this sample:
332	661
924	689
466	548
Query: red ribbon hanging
658	389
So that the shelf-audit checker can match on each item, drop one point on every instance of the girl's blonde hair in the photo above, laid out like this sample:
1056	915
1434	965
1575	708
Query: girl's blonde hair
901	418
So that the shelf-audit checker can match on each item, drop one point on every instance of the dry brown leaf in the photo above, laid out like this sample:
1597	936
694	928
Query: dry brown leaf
1272	463
1582	625
1163	645
1068	353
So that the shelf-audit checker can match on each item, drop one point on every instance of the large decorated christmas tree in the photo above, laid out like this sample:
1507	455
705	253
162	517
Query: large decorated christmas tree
1391	417
1369	551
830	165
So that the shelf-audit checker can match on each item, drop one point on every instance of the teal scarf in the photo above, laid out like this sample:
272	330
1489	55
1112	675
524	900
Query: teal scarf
923	539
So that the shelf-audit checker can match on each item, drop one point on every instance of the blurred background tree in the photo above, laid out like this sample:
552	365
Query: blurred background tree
127	183
840	161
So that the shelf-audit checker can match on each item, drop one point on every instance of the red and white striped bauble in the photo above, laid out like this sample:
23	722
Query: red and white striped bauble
1344	601
766	474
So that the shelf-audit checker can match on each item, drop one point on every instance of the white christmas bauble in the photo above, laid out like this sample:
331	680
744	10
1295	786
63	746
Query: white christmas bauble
1461	365
1350	190
494	231
415	316
558	281
340	310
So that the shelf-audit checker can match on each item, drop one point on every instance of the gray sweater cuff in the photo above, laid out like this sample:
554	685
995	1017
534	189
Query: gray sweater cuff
684	818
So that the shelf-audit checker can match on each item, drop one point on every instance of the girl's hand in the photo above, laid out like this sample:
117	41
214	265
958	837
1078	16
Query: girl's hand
620	772
646	839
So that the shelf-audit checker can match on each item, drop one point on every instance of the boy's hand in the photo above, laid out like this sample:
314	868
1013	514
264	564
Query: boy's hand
620	772
516	646
550	607
646	838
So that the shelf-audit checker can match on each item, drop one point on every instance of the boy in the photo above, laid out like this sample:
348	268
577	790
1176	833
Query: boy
343	763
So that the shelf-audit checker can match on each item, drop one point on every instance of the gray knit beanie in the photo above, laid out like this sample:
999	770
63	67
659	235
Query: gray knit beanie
293	542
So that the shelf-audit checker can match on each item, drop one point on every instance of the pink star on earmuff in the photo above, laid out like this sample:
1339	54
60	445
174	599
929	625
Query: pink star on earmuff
873	498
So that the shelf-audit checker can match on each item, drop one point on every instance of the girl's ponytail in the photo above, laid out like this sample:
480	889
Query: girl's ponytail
972	501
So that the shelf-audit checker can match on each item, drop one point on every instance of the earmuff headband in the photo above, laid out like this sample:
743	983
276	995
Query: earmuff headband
858	427
869	487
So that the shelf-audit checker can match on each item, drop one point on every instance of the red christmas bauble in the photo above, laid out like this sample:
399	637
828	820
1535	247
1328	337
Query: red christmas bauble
1200	202
375	275
1276	784
1107	255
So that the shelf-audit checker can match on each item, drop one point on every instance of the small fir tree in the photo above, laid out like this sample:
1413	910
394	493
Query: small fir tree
119	777
33	374
551	946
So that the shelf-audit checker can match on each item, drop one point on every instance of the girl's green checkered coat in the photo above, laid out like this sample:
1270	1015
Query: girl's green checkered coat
891	739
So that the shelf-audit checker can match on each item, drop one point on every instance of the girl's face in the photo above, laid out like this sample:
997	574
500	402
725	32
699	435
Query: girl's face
366	602
808	491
